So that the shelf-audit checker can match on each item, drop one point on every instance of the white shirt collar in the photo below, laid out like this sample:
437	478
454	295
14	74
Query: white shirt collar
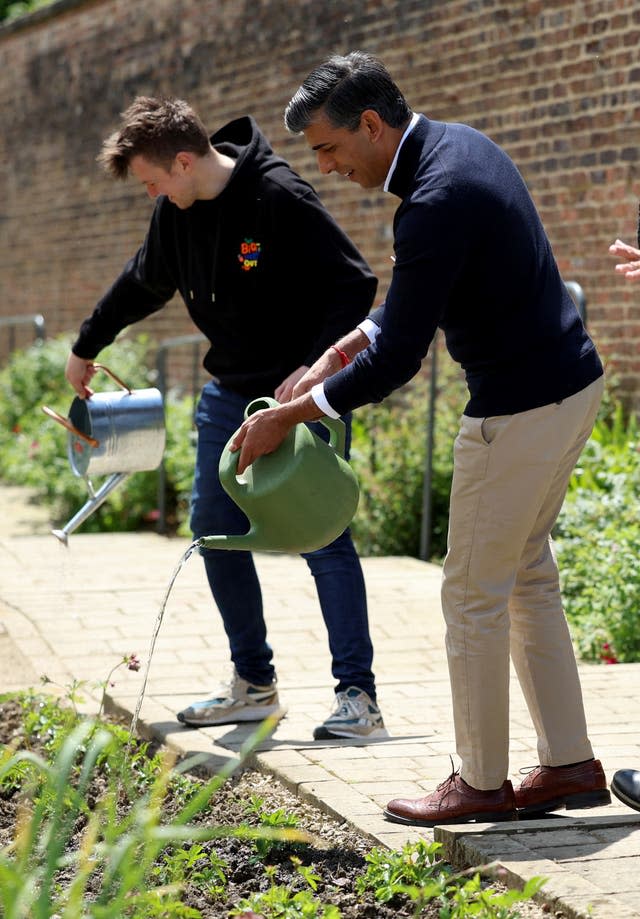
411	126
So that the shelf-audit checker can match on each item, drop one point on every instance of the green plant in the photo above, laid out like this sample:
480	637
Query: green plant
598	541
119	852
473	897
11	9
272	819
193	865
417	873
282	902
389	874
45	720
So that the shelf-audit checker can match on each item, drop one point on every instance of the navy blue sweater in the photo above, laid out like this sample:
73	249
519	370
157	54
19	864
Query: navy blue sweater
264	270
472	257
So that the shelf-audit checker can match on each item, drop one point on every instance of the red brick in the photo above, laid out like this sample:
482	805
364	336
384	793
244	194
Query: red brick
557	84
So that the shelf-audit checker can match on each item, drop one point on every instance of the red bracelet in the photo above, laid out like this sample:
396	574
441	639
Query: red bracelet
344	358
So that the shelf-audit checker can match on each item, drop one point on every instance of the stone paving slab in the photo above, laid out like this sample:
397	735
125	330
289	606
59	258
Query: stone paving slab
592	864
73	612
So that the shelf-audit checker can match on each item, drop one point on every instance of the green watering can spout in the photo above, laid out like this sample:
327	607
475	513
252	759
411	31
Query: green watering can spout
297	499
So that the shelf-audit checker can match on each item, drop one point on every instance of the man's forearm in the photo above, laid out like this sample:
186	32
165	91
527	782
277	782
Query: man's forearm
353	343
301	409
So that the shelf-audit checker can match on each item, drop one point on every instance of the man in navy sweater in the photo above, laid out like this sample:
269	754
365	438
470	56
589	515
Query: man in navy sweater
471	257
271	280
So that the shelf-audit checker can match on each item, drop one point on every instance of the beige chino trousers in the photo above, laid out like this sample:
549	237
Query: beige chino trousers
500	588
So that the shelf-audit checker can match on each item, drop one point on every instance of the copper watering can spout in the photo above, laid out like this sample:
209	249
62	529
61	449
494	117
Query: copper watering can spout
297	499
111	432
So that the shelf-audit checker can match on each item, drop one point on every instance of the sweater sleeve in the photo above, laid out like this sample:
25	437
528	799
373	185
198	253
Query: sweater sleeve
144	286
430	247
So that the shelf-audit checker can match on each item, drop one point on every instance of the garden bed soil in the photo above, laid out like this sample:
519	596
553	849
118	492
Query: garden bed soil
337	854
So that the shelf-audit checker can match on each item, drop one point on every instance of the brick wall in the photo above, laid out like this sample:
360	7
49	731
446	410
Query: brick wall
557	84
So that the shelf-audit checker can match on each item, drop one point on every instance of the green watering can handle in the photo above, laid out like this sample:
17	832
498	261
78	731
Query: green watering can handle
337	430
228	467
258	404
335	426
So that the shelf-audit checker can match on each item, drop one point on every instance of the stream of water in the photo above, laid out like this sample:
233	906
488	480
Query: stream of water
156	629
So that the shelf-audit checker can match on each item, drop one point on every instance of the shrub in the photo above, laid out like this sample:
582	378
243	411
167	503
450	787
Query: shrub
598	541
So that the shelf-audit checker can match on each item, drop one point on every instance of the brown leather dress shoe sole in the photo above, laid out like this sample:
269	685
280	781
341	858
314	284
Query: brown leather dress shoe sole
478	817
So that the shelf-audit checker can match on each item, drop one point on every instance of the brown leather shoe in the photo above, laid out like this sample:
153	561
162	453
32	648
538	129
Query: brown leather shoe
455	802
549	788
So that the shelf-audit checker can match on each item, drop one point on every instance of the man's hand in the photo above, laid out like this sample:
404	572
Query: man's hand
79	373
264	431
284	392
630	267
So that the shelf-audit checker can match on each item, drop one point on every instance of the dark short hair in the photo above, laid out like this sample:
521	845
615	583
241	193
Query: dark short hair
344	87
157	129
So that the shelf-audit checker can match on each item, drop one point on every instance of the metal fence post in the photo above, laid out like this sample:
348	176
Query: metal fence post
162	375
11	322
427	488
578	297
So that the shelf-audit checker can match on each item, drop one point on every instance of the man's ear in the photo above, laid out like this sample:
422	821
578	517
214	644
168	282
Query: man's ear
372	124
184	160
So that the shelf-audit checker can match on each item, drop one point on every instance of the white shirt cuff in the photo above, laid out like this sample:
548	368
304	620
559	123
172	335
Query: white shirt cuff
318	396
370	328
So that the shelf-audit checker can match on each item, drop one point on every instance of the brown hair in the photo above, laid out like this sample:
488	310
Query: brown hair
157	129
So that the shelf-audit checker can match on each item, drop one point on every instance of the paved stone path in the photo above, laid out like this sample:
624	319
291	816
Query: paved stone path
71	613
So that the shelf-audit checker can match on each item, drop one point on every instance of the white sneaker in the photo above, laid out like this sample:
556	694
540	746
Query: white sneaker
236	701
355	715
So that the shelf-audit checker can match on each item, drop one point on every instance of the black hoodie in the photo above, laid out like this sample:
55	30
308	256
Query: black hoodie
264	270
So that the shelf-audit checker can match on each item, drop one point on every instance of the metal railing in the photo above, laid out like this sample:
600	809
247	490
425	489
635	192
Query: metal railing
35	320
195	342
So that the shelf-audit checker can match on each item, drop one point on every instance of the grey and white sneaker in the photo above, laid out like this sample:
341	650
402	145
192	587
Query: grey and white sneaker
235	701
355	715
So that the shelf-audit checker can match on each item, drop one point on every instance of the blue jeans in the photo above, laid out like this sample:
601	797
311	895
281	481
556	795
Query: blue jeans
232	575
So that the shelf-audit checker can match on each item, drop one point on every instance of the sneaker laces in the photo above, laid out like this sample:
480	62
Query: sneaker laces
224	689
345	705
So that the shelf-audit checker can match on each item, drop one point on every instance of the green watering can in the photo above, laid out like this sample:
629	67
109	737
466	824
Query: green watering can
299	498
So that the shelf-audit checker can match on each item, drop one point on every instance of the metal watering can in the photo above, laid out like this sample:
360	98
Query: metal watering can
111	432
299	498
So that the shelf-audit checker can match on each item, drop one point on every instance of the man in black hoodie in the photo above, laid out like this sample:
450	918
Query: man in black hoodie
272	282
